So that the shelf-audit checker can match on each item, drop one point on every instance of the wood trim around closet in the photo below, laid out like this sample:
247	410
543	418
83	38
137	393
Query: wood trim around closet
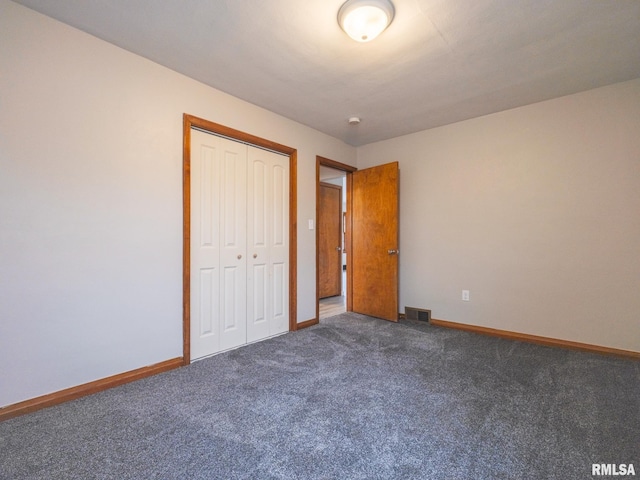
190	121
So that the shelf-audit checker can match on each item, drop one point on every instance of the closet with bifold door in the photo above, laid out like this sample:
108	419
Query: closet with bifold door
239	244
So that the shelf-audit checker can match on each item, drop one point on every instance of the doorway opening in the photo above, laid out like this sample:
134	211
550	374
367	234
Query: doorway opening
333	230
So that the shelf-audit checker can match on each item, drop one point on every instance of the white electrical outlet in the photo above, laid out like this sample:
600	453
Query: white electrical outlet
465	295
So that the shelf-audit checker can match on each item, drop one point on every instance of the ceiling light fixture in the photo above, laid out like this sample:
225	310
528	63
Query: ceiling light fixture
364	20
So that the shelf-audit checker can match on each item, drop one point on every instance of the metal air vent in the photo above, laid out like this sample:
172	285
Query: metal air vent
417	314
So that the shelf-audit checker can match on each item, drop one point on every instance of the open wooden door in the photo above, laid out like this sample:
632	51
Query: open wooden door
374	253
330	241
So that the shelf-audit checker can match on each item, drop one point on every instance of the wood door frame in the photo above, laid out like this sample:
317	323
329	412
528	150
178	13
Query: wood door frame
190	121
348	169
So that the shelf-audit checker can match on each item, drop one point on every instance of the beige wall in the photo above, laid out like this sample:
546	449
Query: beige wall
535	210
91	203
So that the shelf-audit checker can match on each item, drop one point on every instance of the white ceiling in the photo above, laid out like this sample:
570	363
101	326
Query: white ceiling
439	62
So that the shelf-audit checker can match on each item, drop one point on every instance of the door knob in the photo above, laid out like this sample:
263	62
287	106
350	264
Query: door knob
255	255
338	248
239	257
393	252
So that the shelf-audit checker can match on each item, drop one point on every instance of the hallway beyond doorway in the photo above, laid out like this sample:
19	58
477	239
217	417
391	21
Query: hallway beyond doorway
331	306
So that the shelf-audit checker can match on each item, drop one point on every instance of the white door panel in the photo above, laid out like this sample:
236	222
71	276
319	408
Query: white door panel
268	234
279	247
233	198
280	299
205	253
239	244
218	236
257	220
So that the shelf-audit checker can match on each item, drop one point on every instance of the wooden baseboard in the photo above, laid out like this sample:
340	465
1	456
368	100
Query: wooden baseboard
308	323
90	388
549	342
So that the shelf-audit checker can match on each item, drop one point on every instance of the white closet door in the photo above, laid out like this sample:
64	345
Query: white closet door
239	244
218	244
233	244
268	244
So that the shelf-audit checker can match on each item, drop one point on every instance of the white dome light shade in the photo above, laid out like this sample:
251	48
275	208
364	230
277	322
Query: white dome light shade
364	20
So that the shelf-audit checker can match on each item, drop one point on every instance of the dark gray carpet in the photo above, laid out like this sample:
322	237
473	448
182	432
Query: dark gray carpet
351	398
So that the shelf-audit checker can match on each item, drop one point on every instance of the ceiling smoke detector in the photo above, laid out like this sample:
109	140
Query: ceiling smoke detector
364	20
354	120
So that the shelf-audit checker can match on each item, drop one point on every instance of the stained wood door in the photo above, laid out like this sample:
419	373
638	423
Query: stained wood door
374	255
330	241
